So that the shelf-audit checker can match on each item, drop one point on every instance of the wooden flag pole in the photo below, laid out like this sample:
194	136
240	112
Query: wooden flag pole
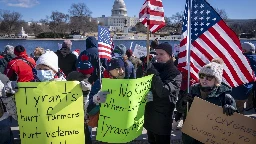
148	45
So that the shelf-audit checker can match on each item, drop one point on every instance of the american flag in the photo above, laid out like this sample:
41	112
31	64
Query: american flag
212	38
104	43
152	14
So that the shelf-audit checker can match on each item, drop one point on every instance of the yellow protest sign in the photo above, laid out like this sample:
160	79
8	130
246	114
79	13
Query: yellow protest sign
207	123
50	113
122	115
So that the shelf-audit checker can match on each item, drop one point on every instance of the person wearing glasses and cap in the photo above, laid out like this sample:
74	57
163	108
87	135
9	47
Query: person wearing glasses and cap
211	89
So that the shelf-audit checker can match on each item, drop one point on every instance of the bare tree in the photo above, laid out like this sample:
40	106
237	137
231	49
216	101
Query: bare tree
223	14
58	22
80	19
10	21
79	9
140	27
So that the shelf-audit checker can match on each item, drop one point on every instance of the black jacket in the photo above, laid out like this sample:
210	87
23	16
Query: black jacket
4	61
165	88
68	63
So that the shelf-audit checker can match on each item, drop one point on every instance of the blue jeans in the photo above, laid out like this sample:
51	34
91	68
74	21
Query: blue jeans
6	136
88	134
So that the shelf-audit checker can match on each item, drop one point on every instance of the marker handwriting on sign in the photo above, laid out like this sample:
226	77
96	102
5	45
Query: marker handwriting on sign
116	130
124	92
61	133
55	99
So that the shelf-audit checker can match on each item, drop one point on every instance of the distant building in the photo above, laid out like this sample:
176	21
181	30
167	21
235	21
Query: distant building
117	20
30	23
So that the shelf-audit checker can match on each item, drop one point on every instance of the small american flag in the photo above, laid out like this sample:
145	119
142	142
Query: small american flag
212	38
104	43
152	15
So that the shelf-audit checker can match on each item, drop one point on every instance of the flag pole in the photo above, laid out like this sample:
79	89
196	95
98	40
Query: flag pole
148	45
189	42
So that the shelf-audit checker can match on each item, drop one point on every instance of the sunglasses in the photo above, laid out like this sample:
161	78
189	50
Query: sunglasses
207	77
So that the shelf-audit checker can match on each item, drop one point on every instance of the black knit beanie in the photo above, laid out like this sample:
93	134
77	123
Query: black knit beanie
19	49
166	47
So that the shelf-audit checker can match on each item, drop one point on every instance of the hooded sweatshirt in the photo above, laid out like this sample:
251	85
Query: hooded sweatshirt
92	52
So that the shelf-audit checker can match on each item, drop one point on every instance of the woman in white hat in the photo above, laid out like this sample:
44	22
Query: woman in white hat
211	89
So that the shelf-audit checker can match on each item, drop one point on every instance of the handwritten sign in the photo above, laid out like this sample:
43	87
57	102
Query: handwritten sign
207	123
50	113
139	51
122	116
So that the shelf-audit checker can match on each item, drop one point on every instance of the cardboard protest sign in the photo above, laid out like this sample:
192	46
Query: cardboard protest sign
139	51
122	115
207	123
50	113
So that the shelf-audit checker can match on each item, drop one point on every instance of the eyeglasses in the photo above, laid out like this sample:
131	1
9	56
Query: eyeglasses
207	77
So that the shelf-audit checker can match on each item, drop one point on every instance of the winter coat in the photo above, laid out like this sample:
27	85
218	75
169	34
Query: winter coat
4	61
68	63
165	88
129	70
20	69
242	92
93	54
219	96
135	61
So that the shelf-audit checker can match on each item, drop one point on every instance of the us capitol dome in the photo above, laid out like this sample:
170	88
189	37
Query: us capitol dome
119	18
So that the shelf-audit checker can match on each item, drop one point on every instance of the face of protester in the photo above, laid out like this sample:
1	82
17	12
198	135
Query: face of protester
45	73
65	51
207	80
162	56
117	73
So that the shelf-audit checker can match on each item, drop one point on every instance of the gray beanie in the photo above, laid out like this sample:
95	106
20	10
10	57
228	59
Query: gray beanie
9	49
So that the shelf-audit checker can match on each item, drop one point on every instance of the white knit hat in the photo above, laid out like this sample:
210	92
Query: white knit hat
214	68
49	59
248	47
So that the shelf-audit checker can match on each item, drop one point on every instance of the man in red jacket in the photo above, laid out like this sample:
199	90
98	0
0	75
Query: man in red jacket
20	68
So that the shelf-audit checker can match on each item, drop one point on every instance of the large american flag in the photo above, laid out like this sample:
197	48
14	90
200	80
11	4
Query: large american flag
212	38
104	42
152	15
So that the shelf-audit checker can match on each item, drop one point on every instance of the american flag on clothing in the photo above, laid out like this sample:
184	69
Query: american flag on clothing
212	38
104	42
152	15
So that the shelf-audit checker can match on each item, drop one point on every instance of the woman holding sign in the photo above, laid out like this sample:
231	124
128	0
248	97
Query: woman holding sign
165	87
211	89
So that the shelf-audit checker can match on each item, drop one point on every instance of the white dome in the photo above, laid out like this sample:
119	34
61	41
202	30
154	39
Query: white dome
119	8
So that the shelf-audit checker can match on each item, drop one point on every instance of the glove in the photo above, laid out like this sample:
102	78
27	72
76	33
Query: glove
228	110
181	104
151	70
11	88
149	96
100	97
85	85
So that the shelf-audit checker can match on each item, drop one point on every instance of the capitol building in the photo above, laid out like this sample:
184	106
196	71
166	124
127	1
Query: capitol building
118	21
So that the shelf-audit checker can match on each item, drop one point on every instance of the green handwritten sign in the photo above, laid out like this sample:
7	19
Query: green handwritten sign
50	113
122	115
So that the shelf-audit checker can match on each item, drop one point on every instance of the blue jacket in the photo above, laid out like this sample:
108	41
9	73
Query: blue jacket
92	108
242	92
93	54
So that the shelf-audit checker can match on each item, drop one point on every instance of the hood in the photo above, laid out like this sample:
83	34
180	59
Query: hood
91	42
9	57
223	88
